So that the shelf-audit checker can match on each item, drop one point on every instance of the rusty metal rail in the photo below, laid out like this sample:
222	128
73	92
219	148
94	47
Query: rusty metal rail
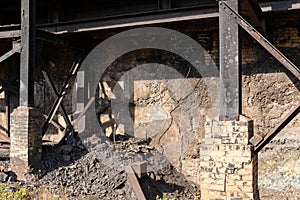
132	177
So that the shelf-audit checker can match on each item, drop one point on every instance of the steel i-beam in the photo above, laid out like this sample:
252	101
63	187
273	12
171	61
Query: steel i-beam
229	64
27	52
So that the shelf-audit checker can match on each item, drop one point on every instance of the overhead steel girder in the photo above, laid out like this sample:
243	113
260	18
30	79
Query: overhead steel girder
137	19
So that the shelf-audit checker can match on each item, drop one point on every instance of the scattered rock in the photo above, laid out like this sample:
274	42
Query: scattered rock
3	177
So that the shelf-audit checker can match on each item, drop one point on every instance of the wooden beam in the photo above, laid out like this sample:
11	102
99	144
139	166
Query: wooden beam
60	97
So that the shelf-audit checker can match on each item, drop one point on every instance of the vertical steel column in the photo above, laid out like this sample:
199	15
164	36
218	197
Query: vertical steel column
229	63
27	53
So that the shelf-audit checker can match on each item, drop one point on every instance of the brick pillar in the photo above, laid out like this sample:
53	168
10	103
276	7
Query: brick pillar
228	163
26	141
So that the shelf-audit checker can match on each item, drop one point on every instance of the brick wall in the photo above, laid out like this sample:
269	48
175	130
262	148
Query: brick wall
26	140
227	163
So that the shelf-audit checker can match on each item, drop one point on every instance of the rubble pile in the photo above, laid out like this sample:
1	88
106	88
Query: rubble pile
98	172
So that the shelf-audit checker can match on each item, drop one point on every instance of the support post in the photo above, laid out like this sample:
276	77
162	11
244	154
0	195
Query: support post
26	135
229	64
27	53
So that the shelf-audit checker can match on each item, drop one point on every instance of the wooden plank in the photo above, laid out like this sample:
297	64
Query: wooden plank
140	168
88	105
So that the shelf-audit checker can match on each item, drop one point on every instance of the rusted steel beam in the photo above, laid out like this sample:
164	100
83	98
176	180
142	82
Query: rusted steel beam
56	95
27	58
261	39
10	34
15	49
137	19
230	95
135	183
59	99
252	11
7	55
285	121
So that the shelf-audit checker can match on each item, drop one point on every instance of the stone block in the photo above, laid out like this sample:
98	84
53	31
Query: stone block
256	139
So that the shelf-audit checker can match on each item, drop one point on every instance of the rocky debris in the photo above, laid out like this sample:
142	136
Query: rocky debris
279	170
72	171
3	177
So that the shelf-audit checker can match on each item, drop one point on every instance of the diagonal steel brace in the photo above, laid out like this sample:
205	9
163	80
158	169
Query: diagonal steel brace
16	49
56	95
261	39
60	97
